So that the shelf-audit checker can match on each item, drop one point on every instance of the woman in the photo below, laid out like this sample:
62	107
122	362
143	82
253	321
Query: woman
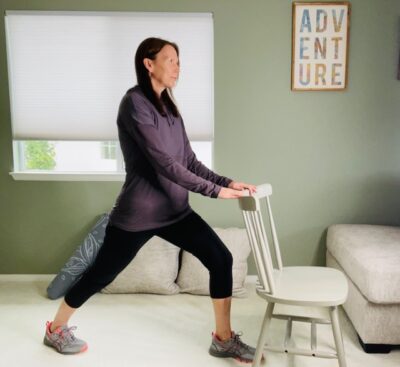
160	169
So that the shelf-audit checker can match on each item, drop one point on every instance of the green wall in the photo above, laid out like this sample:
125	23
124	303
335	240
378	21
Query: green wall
332	157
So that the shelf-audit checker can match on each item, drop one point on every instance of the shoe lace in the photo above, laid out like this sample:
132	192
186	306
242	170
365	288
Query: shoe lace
66	336
238	342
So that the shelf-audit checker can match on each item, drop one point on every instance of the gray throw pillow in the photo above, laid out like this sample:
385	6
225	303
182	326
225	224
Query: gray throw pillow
194	277
80	261
153	270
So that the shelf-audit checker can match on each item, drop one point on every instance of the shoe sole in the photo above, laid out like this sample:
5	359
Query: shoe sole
228	355
49	344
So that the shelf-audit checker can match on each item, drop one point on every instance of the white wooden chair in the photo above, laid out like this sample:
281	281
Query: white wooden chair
297	293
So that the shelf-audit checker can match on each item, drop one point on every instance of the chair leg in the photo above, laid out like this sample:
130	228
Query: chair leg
337	334
263	334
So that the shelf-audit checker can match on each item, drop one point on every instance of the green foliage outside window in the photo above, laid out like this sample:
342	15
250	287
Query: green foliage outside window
40	155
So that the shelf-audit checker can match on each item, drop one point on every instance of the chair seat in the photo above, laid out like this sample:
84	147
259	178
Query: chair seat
307	286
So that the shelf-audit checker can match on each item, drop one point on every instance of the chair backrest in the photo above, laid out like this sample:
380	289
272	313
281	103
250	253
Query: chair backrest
253	218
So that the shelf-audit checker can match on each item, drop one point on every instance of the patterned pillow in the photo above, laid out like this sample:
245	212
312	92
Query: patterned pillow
81	260
194	277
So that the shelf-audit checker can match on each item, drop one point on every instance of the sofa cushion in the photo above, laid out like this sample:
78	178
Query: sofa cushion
194	276
374	323
370	256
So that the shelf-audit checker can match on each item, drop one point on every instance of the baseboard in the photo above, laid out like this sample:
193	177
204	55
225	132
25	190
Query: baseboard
34	277
25	277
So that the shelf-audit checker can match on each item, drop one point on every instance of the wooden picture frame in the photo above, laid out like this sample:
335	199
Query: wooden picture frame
320	45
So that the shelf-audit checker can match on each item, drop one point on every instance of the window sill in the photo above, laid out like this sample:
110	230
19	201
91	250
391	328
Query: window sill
68	176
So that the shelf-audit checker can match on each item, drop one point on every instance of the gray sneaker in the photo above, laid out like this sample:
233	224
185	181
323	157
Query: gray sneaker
63	340
232	347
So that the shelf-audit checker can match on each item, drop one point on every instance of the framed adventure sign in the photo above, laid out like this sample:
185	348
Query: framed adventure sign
320	44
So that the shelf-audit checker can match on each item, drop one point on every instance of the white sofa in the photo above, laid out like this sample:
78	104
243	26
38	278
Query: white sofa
369	255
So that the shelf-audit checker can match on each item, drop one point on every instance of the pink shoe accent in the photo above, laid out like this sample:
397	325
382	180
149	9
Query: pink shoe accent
48	325
84	348
218	338
48	328
243	360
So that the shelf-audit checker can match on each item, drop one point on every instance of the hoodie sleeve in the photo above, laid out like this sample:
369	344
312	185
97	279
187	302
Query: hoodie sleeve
139	121
198	168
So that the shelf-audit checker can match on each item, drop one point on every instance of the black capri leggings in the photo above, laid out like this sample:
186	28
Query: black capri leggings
191	233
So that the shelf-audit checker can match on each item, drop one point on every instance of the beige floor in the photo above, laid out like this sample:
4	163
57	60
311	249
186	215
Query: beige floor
148	330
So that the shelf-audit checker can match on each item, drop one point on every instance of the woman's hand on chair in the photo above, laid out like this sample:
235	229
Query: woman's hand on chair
235	190
242	186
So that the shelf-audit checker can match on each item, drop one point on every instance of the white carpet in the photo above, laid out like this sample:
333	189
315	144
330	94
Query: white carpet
144	330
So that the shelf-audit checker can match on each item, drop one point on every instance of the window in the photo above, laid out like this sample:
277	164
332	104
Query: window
68	72
41	156
107	149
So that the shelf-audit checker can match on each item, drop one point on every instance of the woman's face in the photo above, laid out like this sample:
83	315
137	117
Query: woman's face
164	70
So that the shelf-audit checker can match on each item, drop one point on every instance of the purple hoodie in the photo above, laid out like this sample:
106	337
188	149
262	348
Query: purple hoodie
160	167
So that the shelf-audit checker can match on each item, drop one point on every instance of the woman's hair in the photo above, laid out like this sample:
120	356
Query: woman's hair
149	48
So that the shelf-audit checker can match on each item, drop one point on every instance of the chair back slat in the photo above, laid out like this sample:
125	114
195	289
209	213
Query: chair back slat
264	249
251	209
261	268
274	236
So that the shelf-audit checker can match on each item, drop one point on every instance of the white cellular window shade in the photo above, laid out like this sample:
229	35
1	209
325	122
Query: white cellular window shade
69	70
